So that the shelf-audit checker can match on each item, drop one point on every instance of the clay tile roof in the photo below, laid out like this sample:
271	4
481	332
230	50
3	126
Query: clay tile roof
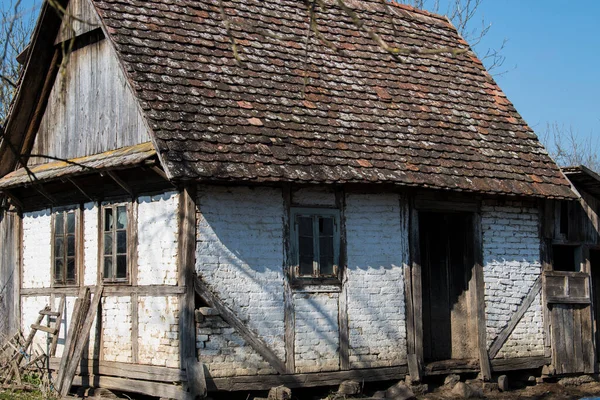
306	113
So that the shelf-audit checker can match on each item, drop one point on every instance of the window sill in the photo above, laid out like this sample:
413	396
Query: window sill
334	286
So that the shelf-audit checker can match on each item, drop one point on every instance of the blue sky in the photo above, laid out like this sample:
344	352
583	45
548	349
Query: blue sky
552	59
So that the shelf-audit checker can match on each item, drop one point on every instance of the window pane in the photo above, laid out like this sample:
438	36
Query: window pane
326	226
121	267
59	249
108	267
122	242
58	269
59	223
121	217
71	222
108	219
108	247
326	265
71	269
70	246
305	245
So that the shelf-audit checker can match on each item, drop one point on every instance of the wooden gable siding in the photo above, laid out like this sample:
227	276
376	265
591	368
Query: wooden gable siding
91	108
80	18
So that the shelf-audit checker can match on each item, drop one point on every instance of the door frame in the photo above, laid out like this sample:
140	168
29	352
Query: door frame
414	289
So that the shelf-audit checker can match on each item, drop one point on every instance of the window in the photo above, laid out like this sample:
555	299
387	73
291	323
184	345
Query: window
566	258
115	232
64	247
315	243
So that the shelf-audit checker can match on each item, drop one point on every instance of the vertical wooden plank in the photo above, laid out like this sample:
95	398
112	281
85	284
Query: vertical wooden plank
587	340
340	201
408	295
578	366
546	229
558	349
486	370
134	270
186	263
417	292
288	297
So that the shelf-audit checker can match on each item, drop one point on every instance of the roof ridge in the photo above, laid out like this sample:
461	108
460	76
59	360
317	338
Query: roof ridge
414	9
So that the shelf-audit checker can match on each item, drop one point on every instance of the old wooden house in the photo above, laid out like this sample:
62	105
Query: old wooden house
266	190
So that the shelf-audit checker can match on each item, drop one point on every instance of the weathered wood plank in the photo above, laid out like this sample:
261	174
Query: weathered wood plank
416	279
251	338
79	311
124	370
479	294
344	338
154	389
587	340
156	290
289	319
186	264
577	340
196	378
81	340
515	364
266	382
516	317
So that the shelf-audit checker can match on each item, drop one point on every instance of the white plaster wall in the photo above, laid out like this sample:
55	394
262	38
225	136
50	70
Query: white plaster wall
240	255
90	243
511	247
314	196
37	251
30	309
116	328
317	332
157	239
377	240
158	331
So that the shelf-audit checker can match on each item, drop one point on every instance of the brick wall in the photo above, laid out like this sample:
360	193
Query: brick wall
377	250
36	249
317	332
240	256
30	308
90	243
157	239
511	246
158	331
116	328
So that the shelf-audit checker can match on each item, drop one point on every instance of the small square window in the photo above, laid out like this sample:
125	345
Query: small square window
65	238
315	243
115	242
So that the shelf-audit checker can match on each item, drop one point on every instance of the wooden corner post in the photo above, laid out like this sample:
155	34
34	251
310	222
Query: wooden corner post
186	261
479	294
415	324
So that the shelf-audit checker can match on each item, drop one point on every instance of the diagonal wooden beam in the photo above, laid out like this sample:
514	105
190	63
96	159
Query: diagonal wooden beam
113	175
250	337
512	324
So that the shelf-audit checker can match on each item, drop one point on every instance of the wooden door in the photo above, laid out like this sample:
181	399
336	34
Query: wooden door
447	261
568	297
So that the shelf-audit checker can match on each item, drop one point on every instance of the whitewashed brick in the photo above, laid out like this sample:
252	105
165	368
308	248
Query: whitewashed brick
314	196
37	250
157	239
240	255
30	309
116	328
158	330
317	332
511	246
376	238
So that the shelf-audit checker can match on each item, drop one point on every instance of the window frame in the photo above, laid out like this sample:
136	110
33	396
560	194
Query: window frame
294	266
78	256
129	243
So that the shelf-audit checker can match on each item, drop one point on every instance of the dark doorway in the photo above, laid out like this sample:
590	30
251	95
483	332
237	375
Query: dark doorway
595	270
447	262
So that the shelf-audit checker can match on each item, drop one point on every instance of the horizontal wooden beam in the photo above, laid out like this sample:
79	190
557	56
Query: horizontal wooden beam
236	323
265	382
155	389
157	290
125	370
498	365
516	364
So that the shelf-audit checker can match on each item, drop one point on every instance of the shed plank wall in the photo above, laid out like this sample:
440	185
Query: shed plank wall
8	273
91	108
